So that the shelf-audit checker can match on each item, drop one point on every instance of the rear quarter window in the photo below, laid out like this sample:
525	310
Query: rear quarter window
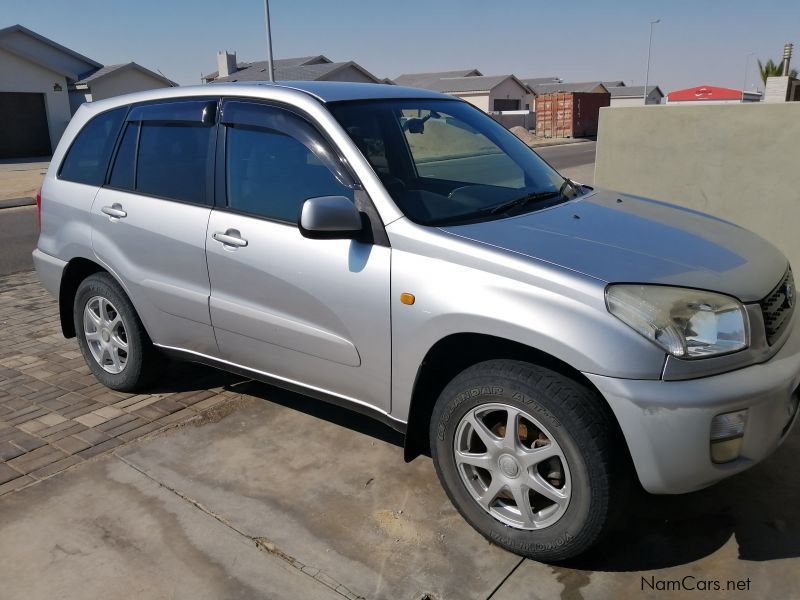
87	158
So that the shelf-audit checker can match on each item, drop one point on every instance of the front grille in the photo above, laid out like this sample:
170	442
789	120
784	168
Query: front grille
778	307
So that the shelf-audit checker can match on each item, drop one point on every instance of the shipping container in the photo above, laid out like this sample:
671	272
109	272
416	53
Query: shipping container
569	114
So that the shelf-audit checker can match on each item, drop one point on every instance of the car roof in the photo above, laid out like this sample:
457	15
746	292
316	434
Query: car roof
291	91
339	91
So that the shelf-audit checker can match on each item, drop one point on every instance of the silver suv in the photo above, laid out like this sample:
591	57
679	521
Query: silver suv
398	252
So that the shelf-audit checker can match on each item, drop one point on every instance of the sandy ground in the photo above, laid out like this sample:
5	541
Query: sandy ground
21	179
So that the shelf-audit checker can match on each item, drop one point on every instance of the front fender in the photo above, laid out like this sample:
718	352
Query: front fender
554	311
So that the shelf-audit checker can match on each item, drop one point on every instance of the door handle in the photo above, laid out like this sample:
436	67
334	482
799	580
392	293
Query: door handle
114	211
232	237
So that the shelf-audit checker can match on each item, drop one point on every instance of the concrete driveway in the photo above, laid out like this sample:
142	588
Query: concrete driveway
273	495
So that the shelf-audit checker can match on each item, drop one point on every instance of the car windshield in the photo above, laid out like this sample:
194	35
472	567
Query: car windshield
446	162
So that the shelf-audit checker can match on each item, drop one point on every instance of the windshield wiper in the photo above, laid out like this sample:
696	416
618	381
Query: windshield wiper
536	197
520	202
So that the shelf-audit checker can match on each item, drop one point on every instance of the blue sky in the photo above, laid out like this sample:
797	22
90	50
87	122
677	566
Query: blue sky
697	41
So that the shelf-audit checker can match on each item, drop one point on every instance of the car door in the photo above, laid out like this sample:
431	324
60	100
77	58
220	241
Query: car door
149	221
313	312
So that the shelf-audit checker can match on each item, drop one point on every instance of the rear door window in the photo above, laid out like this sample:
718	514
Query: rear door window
87	158
167	151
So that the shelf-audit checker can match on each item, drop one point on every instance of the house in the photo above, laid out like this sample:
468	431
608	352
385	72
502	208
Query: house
709	94
490	93
42	83
306	68
633	95
424	80
529	81
115	80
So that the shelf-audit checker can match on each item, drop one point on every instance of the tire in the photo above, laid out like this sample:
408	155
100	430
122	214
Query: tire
585	480
136	366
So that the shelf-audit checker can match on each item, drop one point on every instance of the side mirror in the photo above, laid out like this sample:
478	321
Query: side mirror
330	217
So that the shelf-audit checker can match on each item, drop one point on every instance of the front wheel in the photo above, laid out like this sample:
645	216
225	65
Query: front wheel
527	457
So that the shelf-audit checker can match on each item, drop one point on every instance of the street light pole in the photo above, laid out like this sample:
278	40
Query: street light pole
649	49
270	70
746	65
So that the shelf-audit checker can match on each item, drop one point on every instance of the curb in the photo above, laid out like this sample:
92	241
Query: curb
566	142
15	202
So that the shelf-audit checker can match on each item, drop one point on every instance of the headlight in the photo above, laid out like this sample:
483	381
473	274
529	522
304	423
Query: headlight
686	323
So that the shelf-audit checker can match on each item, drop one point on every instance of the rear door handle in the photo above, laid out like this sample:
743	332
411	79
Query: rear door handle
232	237
114	211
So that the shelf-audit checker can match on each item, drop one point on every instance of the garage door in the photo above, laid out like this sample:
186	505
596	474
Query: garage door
24	125
506	104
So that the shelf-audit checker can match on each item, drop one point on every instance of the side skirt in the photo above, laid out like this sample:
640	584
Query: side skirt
286	384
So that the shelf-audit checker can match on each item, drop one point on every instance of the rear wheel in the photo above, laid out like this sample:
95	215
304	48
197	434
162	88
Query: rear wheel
528	458
111	336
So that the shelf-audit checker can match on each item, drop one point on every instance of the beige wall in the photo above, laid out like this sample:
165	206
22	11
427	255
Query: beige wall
738	162
123	82
480	100
20	75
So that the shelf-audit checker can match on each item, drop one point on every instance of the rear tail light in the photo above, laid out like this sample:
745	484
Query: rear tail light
39	208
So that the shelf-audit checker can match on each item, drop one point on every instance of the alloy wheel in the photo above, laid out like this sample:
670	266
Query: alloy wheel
105	334
512	466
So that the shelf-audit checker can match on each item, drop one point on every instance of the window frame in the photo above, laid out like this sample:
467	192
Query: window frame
208	200
221	192
111	154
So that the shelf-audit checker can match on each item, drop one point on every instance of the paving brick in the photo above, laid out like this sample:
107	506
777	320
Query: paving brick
168	405
73	429
81	408
16	484
109	412
51	419
32	426
141	403
140	431
208	403
90	419
37	459
46	433
121	420
9	451
28	442
57	466
7	473
177	417
149	413
125	427
100	448
71	444
93	436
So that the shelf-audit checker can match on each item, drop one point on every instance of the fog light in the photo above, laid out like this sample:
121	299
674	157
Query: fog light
726	436
726	450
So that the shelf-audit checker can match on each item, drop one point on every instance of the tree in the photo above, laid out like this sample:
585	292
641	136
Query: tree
770	69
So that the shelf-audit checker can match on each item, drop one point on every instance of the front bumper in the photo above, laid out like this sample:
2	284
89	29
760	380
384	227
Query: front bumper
667	424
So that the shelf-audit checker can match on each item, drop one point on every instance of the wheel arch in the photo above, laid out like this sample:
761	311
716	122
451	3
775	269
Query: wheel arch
75	272
456	352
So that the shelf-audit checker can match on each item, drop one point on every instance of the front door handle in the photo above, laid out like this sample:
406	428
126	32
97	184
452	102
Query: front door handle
114	211
232	237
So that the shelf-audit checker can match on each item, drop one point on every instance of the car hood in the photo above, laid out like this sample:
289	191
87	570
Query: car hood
619	238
